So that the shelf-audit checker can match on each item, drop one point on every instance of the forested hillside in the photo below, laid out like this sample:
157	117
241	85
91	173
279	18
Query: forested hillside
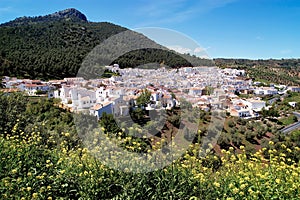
49	47
55	45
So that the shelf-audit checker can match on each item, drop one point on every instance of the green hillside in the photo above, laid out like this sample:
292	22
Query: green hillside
49	47
55	45
281	71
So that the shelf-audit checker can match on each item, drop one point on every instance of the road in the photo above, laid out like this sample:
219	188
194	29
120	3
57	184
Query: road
295	126
291	128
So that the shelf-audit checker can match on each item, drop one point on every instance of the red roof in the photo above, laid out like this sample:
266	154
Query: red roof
31	85
35	81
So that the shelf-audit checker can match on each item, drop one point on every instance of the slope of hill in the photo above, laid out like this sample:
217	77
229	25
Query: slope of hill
55	45
52	46
284	71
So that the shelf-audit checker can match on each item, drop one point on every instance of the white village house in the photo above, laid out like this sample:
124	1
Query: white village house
265	91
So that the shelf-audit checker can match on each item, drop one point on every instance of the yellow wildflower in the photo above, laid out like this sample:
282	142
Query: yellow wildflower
235	190
34	195
216	184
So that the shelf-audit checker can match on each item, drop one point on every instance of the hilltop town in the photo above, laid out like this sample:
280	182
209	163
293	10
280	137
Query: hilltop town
98	110
204	87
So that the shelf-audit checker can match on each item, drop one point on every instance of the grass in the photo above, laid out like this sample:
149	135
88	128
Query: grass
264	81
284	106
293	96
288	120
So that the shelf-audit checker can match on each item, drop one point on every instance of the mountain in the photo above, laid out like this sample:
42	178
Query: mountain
54	46
51	46
70	14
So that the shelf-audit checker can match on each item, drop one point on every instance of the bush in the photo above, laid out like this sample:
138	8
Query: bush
39	92
45	159
30	170
231	123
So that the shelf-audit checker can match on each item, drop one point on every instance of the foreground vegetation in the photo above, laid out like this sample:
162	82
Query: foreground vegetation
29	169
42	157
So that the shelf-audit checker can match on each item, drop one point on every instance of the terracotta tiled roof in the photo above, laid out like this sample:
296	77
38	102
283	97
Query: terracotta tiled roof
34	85
97	107
31	85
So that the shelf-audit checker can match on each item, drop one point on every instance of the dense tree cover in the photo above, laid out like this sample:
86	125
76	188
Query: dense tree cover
53	49
145	58
54	46
149	56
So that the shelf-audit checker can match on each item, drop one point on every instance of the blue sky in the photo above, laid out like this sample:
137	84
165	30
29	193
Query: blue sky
225	28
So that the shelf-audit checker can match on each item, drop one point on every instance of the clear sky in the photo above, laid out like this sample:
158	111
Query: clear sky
225	28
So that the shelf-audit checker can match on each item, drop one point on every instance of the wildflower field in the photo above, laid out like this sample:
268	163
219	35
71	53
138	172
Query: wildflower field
30	169
40	162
